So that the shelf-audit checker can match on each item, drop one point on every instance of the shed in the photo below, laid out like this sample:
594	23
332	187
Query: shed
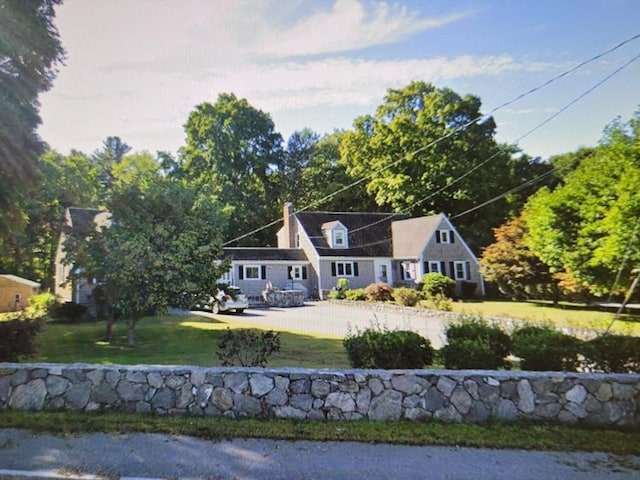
15	292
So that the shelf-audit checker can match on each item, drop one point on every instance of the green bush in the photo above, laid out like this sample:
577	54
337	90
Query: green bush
379	292
473	343
18	338
335	294
339	291
355	295
69	312
613	354
542	348
41	304
438	284
407	297
247	348
375	348
436	302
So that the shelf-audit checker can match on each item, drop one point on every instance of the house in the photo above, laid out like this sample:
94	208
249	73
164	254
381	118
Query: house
79	223
315	249
15	292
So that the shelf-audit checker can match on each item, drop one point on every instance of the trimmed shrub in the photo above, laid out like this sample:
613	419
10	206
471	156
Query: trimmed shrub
436	302
375	348
18	338
613	354
69	312
355	295
379	292
339	291
247	348
407	297
438	284
473	343
542	348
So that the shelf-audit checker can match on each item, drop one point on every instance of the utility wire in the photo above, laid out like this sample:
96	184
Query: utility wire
514	144
453	132
551	117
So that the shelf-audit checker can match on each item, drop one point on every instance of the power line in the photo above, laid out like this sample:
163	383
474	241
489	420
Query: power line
548	119
520	138
455	131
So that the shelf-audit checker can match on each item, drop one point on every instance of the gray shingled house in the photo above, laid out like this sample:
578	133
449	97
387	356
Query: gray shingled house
315	249
78	222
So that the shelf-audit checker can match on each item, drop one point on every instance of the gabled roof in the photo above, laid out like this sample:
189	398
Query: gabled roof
17	279
82	221
258	254
411	236
369	233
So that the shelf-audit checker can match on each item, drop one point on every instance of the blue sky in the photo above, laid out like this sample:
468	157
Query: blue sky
136	69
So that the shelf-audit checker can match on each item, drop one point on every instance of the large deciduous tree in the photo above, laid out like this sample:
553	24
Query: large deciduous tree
429	150
513	267
162	246
234	148
316	178
587	228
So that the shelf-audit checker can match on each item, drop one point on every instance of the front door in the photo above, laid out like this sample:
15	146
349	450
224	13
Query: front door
383	271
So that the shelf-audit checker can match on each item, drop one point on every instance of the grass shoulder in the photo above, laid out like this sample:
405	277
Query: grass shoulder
494	435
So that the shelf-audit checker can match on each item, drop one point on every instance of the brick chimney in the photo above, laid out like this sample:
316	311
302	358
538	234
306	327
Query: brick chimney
289	226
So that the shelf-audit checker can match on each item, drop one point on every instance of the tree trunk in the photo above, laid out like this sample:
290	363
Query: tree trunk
108	334
131	324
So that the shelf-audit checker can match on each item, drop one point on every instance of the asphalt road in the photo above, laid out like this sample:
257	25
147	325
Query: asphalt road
332	320
153	456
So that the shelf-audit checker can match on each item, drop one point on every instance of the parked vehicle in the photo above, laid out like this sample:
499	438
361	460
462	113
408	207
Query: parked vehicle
227	298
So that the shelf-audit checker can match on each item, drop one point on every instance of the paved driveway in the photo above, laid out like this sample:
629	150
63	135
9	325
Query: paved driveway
333	320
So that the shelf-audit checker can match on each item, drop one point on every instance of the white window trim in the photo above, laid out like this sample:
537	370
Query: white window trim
437	265
246	269
455	270
445	236
296	272
339	233
408	272
226	277
344	266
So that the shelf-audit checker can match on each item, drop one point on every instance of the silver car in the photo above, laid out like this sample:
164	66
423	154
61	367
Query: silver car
228	299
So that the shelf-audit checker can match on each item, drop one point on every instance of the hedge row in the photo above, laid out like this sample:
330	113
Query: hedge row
473	343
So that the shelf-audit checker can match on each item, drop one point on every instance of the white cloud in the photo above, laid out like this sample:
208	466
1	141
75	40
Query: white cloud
349	26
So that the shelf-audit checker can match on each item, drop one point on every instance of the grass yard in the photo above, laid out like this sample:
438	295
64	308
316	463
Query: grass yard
565	315
175	340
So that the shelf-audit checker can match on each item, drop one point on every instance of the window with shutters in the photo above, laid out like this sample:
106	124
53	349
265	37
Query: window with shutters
459	270
344	269
252	272
298	272
444	236
434	267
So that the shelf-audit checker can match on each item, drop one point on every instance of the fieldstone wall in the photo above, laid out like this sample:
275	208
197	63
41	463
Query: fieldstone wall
456	396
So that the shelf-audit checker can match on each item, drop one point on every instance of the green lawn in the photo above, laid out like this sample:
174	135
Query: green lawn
173	340
563	315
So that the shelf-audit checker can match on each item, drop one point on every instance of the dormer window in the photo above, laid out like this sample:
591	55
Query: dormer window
336	235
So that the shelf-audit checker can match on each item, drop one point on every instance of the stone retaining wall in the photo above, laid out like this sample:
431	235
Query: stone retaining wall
458	396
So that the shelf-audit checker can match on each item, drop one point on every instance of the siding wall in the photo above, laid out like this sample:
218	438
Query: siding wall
366	274
277	274
8	291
